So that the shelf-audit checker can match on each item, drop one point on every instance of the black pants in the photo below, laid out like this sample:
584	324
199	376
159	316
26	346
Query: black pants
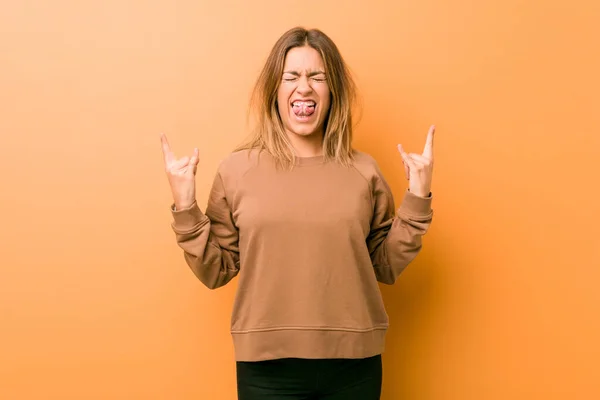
304	379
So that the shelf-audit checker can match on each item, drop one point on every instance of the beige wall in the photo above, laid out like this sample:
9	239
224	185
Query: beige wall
96	301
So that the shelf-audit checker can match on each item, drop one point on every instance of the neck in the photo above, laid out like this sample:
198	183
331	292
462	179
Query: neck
307	146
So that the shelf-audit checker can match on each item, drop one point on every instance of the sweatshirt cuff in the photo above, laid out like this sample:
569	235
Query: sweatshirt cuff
188	218
415	206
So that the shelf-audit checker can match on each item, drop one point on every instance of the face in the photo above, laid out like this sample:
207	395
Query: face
303	96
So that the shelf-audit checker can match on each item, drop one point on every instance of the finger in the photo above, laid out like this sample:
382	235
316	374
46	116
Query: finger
407	159
428	150
179	164
418	158
166	148
194	158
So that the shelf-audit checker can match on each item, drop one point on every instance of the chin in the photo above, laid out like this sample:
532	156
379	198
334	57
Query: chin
304	130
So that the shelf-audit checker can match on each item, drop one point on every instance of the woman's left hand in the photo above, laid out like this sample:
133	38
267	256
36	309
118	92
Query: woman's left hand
419	167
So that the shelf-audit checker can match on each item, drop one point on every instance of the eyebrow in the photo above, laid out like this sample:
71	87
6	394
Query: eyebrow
313	73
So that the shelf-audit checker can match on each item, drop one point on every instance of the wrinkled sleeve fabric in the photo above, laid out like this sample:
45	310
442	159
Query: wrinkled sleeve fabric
395	237
209	240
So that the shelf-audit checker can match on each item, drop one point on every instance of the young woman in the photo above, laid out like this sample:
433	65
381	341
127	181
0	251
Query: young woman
310	226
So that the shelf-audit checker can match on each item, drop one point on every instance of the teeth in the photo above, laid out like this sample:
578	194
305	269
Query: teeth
307	103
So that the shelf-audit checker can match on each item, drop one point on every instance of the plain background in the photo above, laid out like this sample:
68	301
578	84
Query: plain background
96	301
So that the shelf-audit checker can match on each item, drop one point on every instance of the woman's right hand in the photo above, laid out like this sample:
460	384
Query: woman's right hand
181	174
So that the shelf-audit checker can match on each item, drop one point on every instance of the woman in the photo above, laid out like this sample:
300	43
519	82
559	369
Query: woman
310	226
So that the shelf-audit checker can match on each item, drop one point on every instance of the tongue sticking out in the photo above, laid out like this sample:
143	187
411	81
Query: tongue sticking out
303	109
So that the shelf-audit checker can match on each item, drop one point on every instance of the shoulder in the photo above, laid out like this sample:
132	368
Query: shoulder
369	168
235	165
238	162
366	165
363	157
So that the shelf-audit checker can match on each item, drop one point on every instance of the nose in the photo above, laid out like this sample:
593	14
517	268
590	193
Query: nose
303	86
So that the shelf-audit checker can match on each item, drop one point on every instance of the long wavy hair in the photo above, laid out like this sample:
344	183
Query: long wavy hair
268	132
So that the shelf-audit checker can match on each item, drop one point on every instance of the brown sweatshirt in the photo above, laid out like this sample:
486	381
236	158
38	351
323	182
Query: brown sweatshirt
310	245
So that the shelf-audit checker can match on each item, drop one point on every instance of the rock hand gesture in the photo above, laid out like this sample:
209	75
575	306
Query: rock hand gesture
181	173
419	167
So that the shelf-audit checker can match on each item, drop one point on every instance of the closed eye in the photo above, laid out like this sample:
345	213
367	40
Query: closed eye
291	76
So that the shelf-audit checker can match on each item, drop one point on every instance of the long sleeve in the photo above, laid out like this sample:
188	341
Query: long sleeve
395	238
209	241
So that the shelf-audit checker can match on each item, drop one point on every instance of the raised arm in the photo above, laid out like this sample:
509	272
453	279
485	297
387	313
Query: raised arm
209	240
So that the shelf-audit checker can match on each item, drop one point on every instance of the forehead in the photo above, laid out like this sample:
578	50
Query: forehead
303	58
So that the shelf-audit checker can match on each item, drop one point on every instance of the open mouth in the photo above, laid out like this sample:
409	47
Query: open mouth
303	108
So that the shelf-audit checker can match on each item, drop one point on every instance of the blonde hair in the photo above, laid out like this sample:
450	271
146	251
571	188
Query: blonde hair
268	132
